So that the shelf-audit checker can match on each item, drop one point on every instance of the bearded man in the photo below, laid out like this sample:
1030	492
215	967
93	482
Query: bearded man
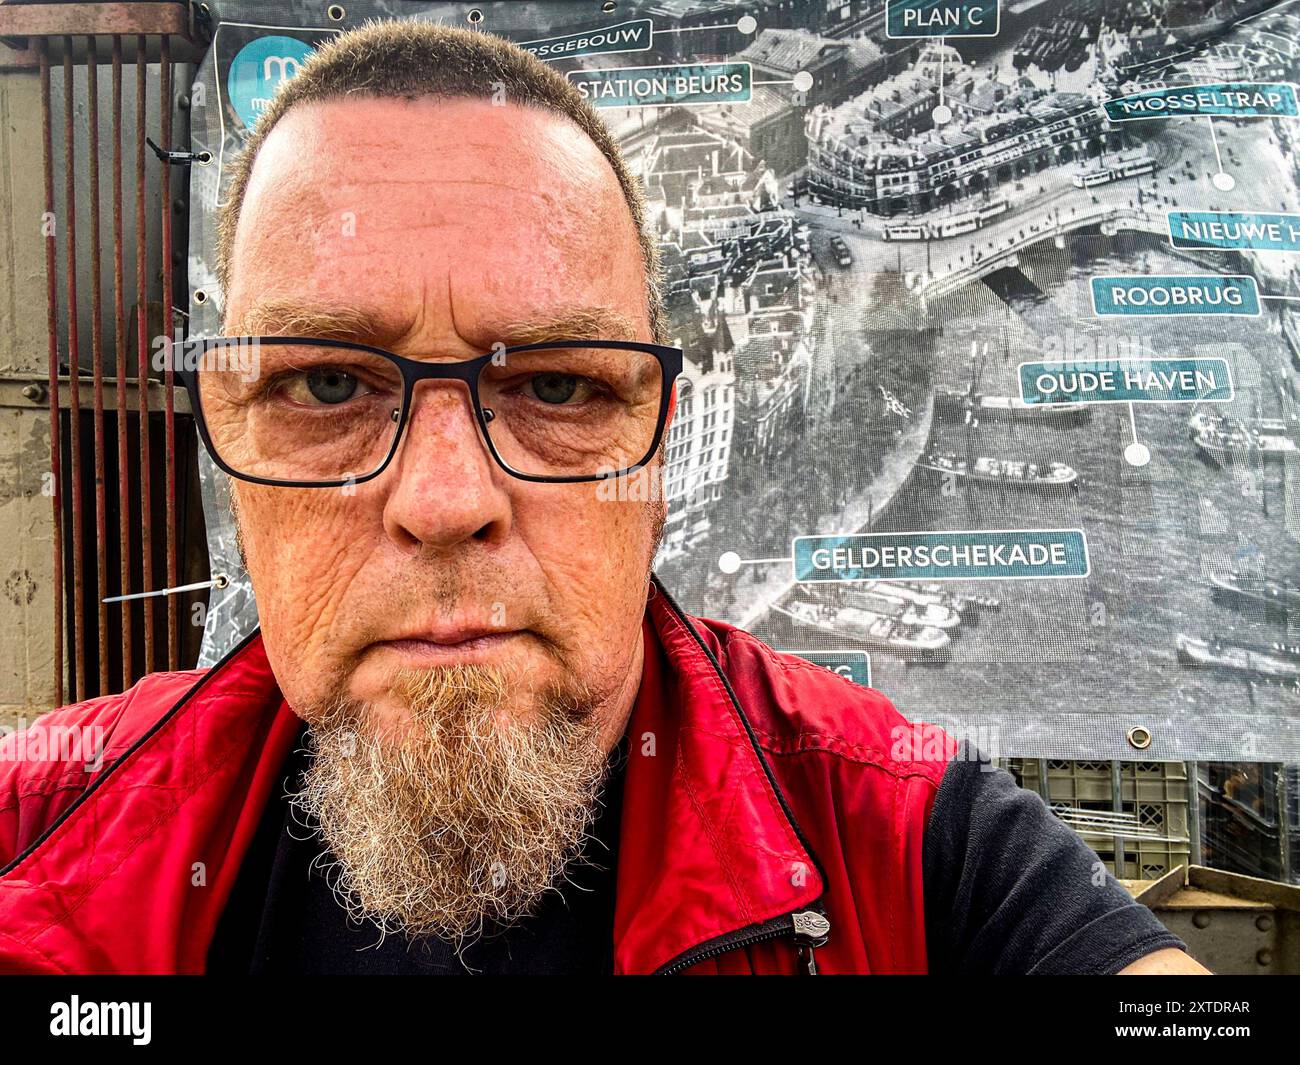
473	732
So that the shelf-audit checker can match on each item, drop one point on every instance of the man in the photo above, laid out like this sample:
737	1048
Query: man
473	732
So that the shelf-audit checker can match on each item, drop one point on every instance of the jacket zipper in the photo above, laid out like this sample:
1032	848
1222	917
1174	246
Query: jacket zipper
810	928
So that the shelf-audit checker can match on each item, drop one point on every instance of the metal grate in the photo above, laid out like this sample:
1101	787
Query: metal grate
122	479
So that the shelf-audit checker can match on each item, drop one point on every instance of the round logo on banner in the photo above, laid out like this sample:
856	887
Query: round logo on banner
257	71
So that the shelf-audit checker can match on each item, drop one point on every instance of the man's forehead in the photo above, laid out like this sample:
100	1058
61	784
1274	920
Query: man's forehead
380	247
388	325
432	174
387	141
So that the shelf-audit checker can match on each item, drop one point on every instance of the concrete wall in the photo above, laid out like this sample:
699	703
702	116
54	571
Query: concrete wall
27	678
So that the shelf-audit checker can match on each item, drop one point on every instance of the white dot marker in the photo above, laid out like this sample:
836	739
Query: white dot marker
942	115
1224	182
803	81
747	24
1137	454
729	562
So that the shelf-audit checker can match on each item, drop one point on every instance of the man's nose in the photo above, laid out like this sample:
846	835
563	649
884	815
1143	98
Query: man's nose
445	487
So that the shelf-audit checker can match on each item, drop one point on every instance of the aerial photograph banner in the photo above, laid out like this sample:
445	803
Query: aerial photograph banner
991	322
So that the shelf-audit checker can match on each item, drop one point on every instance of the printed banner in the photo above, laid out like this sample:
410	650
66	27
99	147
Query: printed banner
991	322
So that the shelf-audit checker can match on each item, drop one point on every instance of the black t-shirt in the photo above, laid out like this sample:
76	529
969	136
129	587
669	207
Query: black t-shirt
1008	889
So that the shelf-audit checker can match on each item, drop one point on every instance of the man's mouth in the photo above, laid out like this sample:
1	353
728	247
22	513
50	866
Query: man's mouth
452	645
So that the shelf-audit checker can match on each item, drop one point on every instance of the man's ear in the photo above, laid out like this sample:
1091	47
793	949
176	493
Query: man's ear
239	531
672	407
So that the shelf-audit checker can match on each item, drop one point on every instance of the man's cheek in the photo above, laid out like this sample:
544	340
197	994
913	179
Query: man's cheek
613	523
601	553
310	609
304	623
305	562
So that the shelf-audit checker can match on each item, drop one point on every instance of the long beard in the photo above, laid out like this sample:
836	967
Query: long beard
467	815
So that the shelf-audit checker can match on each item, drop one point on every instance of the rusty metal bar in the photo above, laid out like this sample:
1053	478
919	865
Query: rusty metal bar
96	20
169	411
23	391
142	338
74	383
97	344
119	312
52	317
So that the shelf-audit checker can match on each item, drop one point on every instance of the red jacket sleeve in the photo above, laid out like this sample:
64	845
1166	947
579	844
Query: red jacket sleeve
46	767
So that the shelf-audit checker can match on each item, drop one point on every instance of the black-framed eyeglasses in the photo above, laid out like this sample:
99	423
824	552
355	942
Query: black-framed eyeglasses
307	412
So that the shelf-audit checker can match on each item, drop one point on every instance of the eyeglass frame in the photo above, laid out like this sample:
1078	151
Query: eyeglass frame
414	371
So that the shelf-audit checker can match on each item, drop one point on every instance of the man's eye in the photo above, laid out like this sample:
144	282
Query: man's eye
557	388
327	386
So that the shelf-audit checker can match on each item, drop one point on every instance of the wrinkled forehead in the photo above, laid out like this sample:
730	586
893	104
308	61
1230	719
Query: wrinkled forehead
456	207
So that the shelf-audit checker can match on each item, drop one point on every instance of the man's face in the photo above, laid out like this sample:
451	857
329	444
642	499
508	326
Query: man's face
443	221
465	646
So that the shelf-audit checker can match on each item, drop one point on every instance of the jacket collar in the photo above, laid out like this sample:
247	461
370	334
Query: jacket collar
709	855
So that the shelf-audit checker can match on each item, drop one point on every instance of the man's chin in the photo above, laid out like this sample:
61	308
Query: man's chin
387	681
401	713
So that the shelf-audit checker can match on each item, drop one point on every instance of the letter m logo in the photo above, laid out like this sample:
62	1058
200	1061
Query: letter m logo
282	63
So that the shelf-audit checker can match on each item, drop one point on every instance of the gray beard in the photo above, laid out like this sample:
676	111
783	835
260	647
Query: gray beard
465	820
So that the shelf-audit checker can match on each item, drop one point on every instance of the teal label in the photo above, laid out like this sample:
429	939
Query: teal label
1126	381
942	18
685	83
1234	229
1265	99
1155	295
986	554
851	665
257	71
625	37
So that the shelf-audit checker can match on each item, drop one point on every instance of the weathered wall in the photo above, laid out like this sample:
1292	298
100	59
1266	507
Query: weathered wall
27	681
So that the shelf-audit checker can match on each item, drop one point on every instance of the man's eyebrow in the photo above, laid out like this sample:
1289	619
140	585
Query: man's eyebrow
576	323
278	316
284	317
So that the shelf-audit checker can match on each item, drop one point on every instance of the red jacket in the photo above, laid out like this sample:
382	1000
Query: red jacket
761	800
